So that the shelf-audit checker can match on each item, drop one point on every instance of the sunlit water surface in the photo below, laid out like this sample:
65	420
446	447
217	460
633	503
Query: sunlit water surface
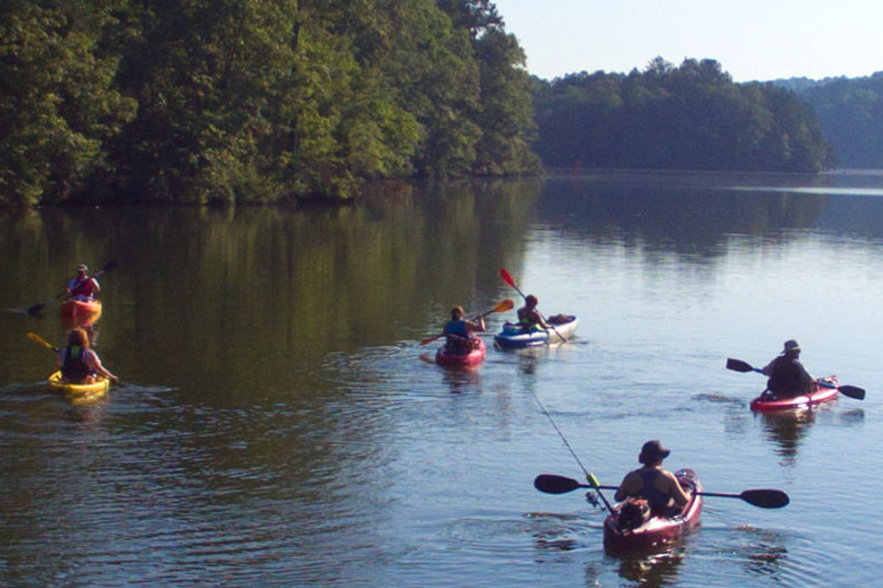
280	425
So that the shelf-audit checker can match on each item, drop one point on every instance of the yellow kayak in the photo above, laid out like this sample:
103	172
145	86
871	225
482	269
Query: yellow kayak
92	389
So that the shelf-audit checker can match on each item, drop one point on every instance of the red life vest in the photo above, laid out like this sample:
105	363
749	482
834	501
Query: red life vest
85	288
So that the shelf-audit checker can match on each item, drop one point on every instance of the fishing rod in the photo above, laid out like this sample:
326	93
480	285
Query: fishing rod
593	481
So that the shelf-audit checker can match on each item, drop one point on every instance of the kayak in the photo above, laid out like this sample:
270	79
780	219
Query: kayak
768	402
80	313
514	337
91	390
620	536
450	358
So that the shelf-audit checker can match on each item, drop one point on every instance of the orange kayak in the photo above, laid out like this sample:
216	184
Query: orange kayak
79	313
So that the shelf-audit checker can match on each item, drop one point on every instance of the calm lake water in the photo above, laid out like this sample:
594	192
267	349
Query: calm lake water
279	424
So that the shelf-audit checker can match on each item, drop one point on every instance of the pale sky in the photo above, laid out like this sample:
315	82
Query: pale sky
751	39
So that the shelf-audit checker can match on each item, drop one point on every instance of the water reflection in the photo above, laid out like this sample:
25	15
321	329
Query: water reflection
694	213
787	429
460	380
306	443
655	570
851	417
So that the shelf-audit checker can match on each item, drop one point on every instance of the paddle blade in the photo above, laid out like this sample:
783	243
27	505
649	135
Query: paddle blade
738	365
41	341
552	484
507	277
35	309
108	266
429	340
504	305
765	498
852	392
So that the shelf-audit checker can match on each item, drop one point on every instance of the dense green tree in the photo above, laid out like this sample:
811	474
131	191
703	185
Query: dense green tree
688	117
438	83
506	111
850	112
234	101
57	103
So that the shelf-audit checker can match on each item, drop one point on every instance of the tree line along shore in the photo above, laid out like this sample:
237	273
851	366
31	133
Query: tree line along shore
243	102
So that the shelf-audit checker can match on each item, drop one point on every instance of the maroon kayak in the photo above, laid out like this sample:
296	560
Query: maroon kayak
622	534
445	356
826	392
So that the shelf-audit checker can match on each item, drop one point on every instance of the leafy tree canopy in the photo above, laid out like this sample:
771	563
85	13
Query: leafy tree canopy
692	116
237	101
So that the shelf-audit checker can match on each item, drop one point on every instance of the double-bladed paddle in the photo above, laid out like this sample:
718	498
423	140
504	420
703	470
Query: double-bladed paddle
50	346
737	365
552	484
35	309
507	277
502	306
42	341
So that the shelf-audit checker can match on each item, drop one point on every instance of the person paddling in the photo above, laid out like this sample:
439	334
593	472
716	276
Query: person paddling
787	376
79	363
82	287
459	331
529	318
660	488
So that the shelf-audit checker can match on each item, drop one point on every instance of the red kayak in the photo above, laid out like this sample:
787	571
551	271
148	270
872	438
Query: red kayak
79	313
826	392
623	533
451	358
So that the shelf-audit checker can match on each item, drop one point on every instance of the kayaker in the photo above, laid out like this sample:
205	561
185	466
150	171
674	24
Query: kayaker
83	287
660	488
80	364
459	331
529	317
787	376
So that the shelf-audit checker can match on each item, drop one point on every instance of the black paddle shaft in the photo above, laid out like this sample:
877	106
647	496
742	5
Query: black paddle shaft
763	498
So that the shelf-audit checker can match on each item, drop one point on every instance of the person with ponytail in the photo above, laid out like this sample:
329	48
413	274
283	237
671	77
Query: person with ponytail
79	363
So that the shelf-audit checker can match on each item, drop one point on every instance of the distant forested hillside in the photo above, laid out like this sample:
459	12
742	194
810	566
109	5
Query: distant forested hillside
850	111
691	117
237	101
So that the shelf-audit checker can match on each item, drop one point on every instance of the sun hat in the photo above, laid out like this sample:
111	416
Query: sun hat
791	345
653	451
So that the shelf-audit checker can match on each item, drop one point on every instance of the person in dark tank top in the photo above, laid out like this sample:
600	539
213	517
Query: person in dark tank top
659	487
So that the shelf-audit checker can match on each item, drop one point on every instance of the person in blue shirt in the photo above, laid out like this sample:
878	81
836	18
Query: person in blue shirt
459	336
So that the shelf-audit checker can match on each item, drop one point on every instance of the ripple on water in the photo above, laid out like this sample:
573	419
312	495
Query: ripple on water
749	556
